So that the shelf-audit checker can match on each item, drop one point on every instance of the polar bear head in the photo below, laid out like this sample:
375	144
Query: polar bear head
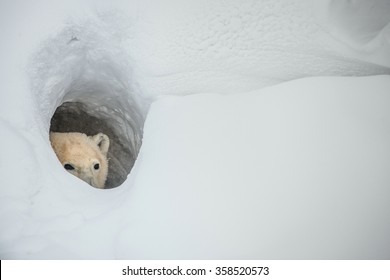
83	156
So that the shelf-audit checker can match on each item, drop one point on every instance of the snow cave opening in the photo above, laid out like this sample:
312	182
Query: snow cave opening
92	118
82	82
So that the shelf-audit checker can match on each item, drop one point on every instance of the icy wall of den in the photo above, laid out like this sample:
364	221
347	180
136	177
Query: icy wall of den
303	165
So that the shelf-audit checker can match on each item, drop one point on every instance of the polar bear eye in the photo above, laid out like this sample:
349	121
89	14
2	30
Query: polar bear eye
68	166
96	166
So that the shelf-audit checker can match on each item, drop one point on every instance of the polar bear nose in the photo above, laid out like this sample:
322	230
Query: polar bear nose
88	180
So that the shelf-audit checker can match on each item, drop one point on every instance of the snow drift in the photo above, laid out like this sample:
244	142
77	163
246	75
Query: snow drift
229	167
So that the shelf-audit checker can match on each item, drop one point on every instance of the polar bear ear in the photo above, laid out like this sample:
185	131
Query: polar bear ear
102	141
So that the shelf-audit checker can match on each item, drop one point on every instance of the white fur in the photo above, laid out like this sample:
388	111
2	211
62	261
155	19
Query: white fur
83	153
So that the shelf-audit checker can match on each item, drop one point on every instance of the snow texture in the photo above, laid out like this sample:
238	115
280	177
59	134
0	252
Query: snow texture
257	142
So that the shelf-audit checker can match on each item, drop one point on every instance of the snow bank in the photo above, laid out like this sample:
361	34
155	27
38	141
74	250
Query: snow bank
298	170
236	46
363	26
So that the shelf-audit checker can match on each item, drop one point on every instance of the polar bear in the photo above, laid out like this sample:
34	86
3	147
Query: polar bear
83	156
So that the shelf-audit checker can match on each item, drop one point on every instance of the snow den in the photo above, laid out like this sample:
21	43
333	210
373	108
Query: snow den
82	84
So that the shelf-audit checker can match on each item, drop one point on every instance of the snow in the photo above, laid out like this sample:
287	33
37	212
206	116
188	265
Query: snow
257	142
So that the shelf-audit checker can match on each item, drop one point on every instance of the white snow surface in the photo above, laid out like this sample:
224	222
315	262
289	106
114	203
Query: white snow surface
257	142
